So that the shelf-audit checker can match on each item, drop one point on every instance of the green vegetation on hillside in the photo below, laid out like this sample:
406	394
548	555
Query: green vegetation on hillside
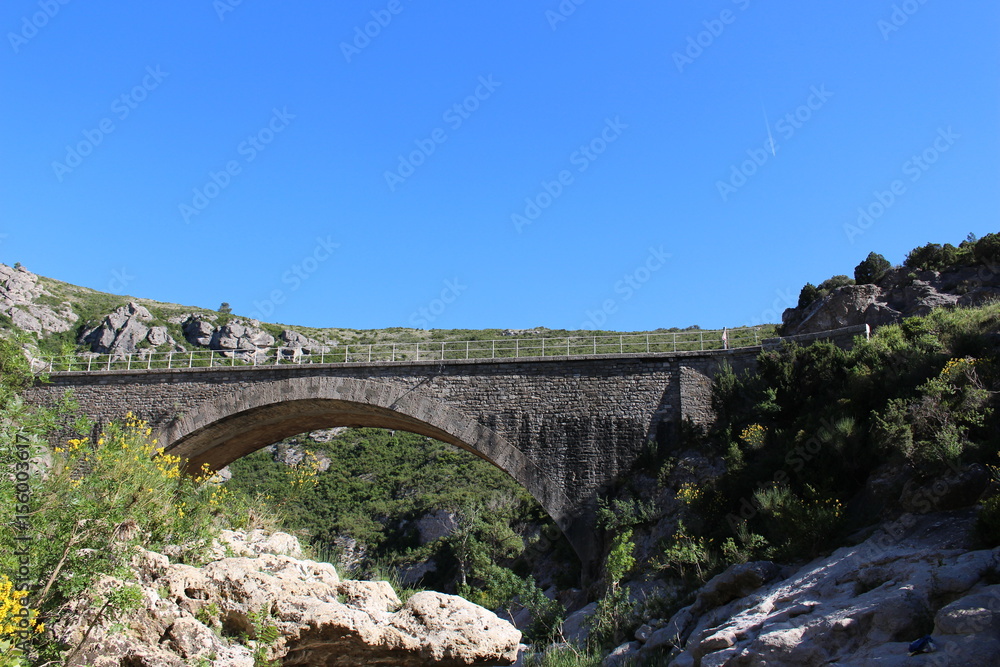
802	434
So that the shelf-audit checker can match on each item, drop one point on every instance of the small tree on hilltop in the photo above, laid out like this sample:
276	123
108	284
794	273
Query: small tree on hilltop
225	308
871	270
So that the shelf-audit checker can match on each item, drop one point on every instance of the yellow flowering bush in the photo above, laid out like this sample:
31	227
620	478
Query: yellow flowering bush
754	436
689	494
15	622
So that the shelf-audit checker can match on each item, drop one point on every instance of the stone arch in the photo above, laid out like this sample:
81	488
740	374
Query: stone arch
224	429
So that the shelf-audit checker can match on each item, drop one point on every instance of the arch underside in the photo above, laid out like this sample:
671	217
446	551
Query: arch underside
226	429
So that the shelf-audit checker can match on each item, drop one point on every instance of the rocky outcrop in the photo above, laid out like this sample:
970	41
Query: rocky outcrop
124	331
234	336
292	455
900	293
20	292
190	614
436	525
862	605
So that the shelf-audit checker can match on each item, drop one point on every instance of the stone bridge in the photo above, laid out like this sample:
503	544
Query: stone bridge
564	427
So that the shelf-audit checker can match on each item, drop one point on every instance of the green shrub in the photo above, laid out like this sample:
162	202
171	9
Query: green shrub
987	249
833	283
988	522
809	294
935	257
872	269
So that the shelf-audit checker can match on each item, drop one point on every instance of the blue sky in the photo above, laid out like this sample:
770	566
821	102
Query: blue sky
619	165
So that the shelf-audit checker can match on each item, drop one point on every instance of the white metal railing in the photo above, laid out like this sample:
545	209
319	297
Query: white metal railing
509	348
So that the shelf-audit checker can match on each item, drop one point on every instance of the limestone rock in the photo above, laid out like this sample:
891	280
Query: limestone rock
436	525
19	291
197	331
121	332
236	338
623	655
861	605
257	542
327	434
576	629
320	619
292	455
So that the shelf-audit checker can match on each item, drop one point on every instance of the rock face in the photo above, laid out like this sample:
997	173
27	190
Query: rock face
900	293
434	526
292	455
124	330
187	613
19	291
237	338
862	605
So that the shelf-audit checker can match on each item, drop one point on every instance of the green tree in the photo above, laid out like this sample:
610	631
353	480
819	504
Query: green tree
225	308
808	295
987	249
871	270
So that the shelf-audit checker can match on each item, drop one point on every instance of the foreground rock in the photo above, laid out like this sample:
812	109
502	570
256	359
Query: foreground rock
298	612
862	605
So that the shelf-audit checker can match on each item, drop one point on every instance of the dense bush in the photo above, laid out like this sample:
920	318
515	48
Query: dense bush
801	435
987	249
833	283
871	269
809	294
936	257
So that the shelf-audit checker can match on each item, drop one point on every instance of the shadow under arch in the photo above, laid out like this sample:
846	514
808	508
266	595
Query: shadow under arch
232	426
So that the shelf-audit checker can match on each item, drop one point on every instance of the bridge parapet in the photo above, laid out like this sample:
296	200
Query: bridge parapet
505	348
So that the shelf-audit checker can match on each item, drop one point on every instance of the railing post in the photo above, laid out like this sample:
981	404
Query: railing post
755	338
517	348
369	353
595	344
493	349
393	352
701	340
621	344
109	362
442	350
